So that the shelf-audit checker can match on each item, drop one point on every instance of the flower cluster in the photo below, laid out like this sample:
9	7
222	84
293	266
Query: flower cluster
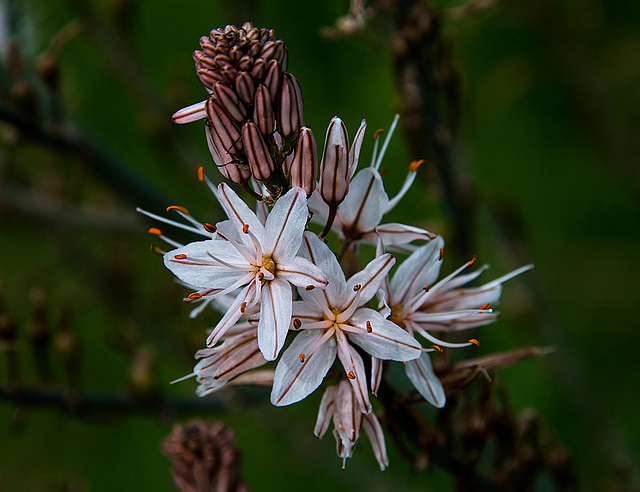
280	288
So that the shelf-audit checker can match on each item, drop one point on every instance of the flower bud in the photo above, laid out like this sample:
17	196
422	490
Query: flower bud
245	87
229	101
303	172
258	155
224	161
263	111
224	128
334	182
290	115
273	79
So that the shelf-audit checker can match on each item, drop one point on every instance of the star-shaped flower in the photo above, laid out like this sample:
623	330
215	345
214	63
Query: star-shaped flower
330	321
415	300
260	259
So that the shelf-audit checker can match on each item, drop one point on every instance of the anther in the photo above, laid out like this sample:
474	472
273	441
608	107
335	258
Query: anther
209	227
243	307
155	231
413	167
377	133
474	341
485	307
297	324
309	287
200	173
178	208
194	295
301	358
180	257
156	250
369	327
260	276
441	254
245	228
473	260
351	375
426	288
357	287
439	349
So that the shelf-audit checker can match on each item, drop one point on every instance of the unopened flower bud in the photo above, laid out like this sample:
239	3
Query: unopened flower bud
229	101
225	162
258	155
303	172
334	182
245	87
224	128
290	114
273	79
263	111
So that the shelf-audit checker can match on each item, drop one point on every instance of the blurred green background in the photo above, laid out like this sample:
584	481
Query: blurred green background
548	141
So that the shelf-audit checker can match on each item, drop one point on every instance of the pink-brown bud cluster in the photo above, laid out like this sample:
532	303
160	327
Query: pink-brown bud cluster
254	111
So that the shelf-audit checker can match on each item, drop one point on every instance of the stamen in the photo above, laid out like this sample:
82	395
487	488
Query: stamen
426	288
297	324
180	257
475	342
351	375
156	250
485	307
194	295
309	287
260	276
200	172
369	327
183	378
413	167
301	356
441	254
245	228
209	227
357	287
378	133
473	260
155	231
243	307
178	208
439	349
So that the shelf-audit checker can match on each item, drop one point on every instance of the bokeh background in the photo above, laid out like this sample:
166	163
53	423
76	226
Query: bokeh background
547	149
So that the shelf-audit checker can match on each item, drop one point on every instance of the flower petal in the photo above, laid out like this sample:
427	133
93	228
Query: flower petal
354	367
386	341
285	225
240	214
198	266
303	273
362	208
295	380
370	278
325	412
420	372
314	250
420	269
394	234
275	317
373	429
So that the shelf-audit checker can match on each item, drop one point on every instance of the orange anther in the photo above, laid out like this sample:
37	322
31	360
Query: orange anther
475	342
297	324
357	287
200	173
441	254
155	231
473	260
439	349
260	276
243	307
178	208
369	327
426	288
309	287
245	228
485	307
194	295
209	227
377	133
413	167
351	375
301	358
180	257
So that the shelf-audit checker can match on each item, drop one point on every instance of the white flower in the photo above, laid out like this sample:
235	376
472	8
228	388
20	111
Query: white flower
332	318
259	258
413	299
358	217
